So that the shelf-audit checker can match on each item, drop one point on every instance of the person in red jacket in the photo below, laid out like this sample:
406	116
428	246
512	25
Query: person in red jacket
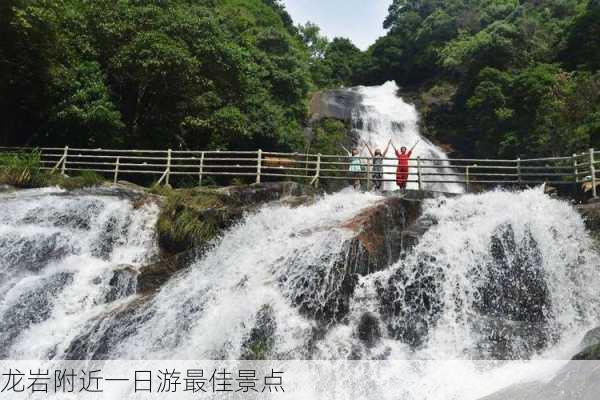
403	157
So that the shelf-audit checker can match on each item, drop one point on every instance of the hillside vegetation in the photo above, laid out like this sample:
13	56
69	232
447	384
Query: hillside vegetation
147	73
491	77
497	77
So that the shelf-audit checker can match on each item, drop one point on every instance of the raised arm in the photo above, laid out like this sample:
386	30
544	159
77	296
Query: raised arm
387	147
395	149
368	148
346	150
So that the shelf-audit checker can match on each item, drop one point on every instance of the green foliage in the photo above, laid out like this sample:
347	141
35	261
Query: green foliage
20	169
23	170
328	135
177	73
183	222
333	63
498	78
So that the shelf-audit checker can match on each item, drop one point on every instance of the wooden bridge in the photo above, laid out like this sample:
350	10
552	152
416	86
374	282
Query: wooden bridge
165	164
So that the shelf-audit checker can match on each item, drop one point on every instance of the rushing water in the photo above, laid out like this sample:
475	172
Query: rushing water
496	276
383	115
65	258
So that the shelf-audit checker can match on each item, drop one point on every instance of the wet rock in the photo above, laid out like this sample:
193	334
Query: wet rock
337	104
591	217
123	283
261	339
34	253
31	307
6	188
152	277
369	331
384	231
410	301
100	337
322	291
590	345
514	296
111	231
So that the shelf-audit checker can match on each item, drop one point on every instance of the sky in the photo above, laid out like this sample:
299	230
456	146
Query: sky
359	20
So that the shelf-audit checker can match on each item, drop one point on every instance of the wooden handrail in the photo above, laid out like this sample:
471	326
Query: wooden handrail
572	169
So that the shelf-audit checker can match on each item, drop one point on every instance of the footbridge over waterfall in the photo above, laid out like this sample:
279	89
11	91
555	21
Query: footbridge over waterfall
425	174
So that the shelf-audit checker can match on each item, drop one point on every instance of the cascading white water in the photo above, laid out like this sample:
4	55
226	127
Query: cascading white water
498	275
383	115
65	258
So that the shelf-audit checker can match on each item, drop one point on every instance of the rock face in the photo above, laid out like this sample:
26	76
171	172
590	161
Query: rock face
259	343
383	232
336	104
324	290
514	299
591	215
409	301
152	277
192	219
590	345
369	331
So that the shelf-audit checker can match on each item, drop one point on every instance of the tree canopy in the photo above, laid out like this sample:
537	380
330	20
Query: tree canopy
179	73
496	77
492	77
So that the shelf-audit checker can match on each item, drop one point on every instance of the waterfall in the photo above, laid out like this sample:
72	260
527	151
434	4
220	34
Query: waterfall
500	275
65	258
494	276
381	115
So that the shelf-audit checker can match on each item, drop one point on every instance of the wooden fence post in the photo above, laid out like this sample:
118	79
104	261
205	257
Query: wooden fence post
63	168
315	179
201	169
258	166
593	172
168	170
116	170
575	169
468	183
419	172
519	171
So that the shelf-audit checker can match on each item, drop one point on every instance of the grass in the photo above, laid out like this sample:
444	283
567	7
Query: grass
23	170
20	169
184	221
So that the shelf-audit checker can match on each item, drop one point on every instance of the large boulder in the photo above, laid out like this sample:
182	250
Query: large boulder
337	104
324	289
192	220
193	217
152	277
590	345
383	232
513	298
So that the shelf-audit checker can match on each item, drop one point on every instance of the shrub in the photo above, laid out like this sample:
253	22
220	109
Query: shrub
20	169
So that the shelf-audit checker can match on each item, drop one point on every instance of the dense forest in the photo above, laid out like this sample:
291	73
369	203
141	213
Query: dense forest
491	77
497	77
179	73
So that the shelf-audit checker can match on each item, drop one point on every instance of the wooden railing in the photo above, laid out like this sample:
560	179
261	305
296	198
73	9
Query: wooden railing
259	165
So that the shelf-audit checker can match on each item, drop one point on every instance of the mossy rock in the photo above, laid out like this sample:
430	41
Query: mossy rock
191	217
589	353
194	217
